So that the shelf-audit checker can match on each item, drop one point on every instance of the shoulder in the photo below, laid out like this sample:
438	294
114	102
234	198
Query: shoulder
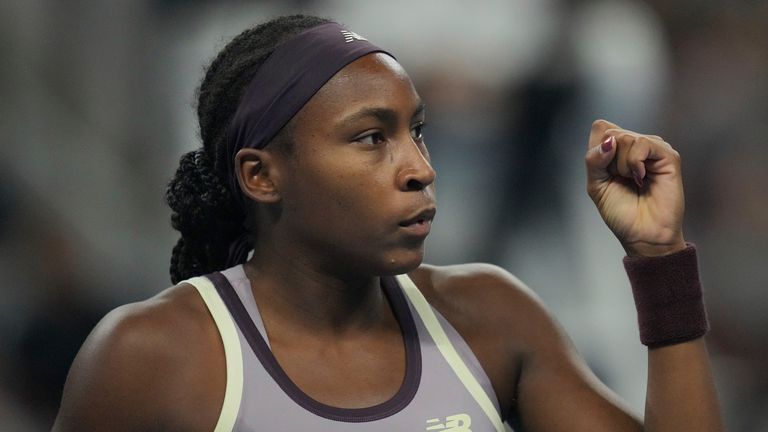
484	294
136	365
502	320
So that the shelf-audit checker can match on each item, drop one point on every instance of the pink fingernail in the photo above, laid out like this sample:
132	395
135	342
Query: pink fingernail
607	145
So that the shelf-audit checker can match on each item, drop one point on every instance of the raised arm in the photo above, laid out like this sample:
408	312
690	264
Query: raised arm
635	181
636	184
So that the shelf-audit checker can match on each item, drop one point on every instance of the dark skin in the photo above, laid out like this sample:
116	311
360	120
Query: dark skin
331	218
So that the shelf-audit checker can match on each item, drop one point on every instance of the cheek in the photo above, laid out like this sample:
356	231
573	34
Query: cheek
341	192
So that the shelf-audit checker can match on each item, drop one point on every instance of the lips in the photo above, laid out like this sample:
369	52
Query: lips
420	223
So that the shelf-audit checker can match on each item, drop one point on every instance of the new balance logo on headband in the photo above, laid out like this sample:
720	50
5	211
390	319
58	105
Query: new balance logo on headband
351	36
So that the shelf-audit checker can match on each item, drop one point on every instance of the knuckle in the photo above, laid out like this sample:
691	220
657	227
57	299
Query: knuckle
675	155
599	124
624	139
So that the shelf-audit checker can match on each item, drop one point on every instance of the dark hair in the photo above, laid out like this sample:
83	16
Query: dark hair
204	209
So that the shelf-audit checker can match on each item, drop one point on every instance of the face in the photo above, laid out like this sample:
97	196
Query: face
359	190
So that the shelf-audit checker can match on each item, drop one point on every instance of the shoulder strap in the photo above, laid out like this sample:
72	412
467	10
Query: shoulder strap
448	351
232	352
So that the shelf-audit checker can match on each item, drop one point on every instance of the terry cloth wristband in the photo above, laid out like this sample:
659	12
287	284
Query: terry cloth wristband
668	297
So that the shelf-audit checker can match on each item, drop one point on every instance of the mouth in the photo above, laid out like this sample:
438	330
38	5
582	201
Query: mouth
420	223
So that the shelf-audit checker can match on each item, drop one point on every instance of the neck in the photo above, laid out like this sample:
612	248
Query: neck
296	289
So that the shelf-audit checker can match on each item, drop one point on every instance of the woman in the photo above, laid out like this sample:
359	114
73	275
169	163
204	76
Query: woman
313	160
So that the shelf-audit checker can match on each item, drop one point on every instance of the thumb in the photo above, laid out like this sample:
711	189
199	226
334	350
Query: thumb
598	158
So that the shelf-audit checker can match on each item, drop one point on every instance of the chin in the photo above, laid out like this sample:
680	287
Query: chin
403	262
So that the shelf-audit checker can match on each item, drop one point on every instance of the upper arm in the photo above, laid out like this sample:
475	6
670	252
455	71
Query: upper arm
556	389
110	384
552	388
137	370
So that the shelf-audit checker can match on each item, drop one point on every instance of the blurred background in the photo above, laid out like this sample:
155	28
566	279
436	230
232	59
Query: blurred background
96	108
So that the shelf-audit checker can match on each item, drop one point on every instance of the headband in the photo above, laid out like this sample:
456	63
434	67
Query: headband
284	83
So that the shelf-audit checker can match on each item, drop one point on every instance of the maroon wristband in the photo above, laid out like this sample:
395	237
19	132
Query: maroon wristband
668	297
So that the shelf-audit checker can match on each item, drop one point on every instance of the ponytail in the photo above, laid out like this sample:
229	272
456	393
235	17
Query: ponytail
205	212
206	215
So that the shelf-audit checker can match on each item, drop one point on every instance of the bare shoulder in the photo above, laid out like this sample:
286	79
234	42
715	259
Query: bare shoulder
468	276
139	368
501	319
486	298
485	294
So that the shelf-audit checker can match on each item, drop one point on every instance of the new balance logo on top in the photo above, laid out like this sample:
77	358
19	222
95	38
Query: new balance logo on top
351	36
453	423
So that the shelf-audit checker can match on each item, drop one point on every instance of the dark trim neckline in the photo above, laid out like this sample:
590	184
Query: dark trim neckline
395	404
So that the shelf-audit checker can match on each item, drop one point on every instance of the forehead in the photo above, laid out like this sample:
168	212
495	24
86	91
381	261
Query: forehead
374	80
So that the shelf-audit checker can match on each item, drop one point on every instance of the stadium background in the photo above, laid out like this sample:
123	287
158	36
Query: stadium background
96	108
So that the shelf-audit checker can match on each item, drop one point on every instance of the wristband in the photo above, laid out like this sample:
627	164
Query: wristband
668	297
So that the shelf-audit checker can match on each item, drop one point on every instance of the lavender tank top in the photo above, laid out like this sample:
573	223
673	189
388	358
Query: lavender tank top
444	390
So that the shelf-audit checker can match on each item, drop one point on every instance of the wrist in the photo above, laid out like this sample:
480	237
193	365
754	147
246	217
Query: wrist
668	297
642	249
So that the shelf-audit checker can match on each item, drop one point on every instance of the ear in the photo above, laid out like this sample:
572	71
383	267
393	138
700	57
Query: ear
257	174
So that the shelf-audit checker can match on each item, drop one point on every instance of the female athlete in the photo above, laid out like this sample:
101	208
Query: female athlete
301	300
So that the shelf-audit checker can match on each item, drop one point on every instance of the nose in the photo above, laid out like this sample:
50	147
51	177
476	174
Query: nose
417	172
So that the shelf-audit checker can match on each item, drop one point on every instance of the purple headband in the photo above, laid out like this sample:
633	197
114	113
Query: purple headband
287	80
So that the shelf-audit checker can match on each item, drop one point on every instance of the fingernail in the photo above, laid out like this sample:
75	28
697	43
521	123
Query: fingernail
638	179
607	145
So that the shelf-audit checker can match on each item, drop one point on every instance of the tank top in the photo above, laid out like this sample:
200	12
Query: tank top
444	389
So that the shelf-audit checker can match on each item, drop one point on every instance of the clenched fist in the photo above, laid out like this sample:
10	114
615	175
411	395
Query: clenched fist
636	183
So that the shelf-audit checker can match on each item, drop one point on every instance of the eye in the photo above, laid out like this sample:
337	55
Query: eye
417	132
372	139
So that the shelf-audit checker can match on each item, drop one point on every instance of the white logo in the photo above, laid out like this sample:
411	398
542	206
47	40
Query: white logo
453	423
351	36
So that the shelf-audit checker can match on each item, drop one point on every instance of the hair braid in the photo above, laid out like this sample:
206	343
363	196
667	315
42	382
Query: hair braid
204	209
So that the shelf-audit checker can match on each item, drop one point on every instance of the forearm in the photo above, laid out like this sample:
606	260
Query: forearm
646	216
681	392
672	320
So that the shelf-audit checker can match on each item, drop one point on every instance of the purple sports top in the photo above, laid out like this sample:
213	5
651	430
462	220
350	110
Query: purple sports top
444	388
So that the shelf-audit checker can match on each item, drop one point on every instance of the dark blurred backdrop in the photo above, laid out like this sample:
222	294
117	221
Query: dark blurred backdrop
96	108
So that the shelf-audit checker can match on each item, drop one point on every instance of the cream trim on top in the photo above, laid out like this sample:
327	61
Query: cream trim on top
449	351
232	351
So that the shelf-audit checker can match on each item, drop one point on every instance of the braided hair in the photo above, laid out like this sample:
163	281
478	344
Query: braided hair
205	211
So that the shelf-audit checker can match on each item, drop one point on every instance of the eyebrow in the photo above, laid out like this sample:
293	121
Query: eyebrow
387	116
